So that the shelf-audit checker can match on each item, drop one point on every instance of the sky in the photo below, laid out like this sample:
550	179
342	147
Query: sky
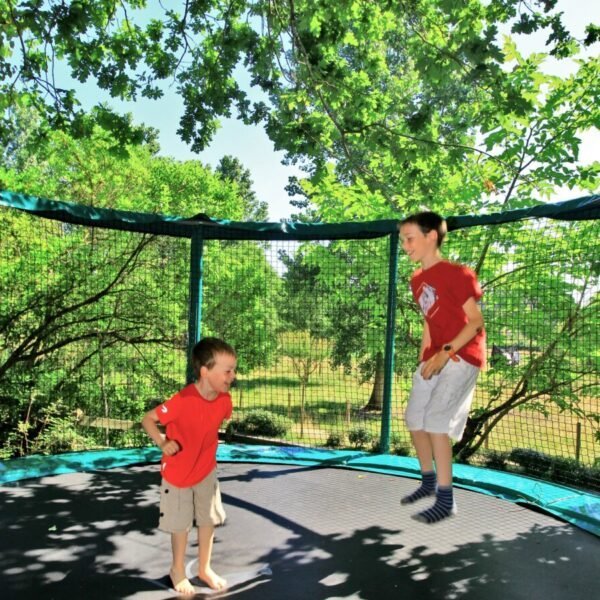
252	147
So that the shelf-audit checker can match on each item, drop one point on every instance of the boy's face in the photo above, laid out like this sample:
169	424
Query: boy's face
222	374
416	244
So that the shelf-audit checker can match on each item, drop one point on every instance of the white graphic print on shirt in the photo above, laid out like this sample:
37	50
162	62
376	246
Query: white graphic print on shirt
427	298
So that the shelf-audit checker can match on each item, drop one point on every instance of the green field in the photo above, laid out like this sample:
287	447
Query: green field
334	403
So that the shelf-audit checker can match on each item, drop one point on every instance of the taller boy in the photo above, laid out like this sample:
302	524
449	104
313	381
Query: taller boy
451	356
190	489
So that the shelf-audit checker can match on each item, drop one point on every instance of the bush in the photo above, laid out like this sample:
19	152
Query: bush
532	462
359	436
398	446
334	440
376	445
495	460
401	449
561	470
259	422
60	436
570	472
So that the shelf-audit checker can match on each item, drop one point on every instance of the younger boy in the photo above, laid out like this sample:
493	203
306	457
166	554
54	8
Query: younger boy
451	356
190	488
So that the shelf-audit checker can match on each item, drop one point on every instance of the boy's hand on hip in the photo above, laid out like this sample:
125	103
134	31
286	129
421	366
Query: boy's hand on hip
434	365
170	447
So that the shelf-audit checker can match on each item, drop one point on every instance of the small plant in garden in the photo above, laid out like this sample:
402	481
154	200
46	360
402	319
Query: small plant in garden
533	462
494	459
401	449
259	422
360	437
399	446
334	440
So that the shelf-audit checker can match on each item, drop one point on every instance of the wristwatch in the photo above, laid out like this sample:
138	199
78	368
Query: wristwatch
448	348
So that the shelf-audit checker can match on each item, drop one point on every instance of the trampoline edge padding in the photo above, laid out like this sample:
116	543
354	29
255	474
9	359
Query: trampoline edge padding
577	507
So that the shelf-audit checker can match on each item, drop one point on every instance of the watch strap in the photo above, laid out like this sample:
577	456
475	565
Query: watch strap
450	351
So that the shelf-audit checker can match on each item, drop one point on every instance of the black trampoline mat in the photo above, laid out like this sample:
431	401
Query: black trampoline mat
291	533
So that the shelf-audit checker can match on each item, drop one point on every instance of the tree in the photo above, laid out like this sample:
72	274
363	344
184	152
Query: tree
387	105
307	354
232	170
357	83
81	307
541	297
528	152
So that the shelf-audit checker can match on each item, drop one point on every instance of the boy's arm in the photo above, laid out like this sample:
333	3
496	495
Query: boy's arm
150	425
473	326
425	341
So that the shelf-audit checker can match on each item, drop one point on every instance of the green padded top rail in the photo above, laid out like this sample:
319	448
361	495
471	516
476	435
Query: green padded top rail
587	207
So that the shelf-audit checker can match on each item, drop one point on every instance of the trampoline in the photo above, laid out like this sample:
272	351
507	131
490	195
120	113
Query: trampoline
294	531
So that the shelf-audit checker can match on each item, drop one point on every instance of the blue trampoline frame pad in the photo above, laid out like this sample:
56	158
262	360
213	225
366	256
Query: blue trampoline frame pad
578	507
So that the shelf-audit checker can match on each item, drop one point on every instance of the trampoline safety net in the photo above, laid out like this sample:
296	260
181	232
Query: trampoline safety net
100	308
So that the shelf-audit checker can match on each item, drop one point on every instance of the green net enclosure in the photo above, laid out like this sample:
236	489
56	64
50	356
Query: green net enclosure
99	310
93	330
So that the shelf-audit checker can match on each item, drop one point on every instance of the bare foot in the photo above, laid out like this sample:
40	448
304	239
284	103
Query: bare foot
212	579
181	583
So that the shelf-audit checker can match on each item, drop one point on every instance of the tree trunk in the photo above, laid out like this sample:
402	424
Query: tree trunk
376	400
302	396
466	446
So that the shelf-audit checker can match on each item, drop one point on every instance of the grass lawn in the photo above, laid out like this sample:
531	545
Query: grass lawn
334	403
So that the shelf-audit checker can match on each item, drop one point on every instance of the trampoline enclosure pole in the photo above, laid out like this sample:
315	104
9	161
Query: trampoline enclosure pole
195	308
386	414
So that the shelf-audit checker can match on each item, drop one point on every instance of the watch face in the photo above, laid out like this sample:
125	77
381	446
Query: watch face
447	347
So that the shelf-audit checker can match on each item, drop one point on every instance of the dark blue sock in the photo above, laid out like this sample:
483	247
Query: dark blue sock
428	485
443	508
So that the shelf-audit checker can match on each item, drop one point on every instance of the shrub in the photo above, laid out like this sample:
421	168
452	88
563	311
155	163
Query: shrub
570	472
532	462
334	440
359	436
259	422
495	460
60	436
401	449
562	470
399	446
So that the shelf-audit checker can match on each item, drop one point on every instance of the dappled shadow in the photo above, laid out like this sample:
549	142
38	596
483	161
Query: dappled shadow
62	534
314	566
371	563
94	535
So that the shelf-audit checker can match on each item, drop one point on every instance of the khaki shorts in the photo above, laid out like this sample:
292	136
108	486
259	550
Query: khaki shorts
441	404
179	507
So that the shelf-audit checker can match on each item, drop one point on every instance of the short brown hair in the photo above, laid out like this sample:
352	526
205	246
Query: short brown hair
428	221
204	353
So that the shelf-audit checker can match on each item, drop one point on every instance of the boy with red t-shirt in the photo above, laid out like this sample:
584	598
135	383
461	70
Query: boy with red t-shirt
451	356
190	489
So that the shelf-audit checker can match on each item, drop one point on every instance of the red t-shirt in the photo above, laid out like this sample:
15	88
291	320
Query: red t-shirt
193	422
441	291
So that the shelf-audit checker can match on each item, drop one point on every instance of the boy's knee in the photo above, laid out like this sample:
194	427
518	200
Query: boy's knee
413	419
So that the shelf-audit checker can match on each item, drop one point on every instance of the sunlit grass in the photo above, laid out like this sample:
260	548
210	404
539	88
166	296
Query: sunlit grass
335	402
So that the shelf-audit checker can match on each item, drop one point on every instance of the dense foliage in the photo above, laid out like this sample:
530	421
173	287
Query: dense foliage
387	106
95	322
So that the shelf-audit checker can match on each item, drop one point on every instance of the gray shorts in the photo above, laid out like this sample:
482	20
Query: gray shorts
180	506
441	404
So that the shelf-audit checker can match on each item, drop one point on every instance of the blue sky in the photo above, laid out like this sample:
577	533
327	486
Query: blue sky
252	147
